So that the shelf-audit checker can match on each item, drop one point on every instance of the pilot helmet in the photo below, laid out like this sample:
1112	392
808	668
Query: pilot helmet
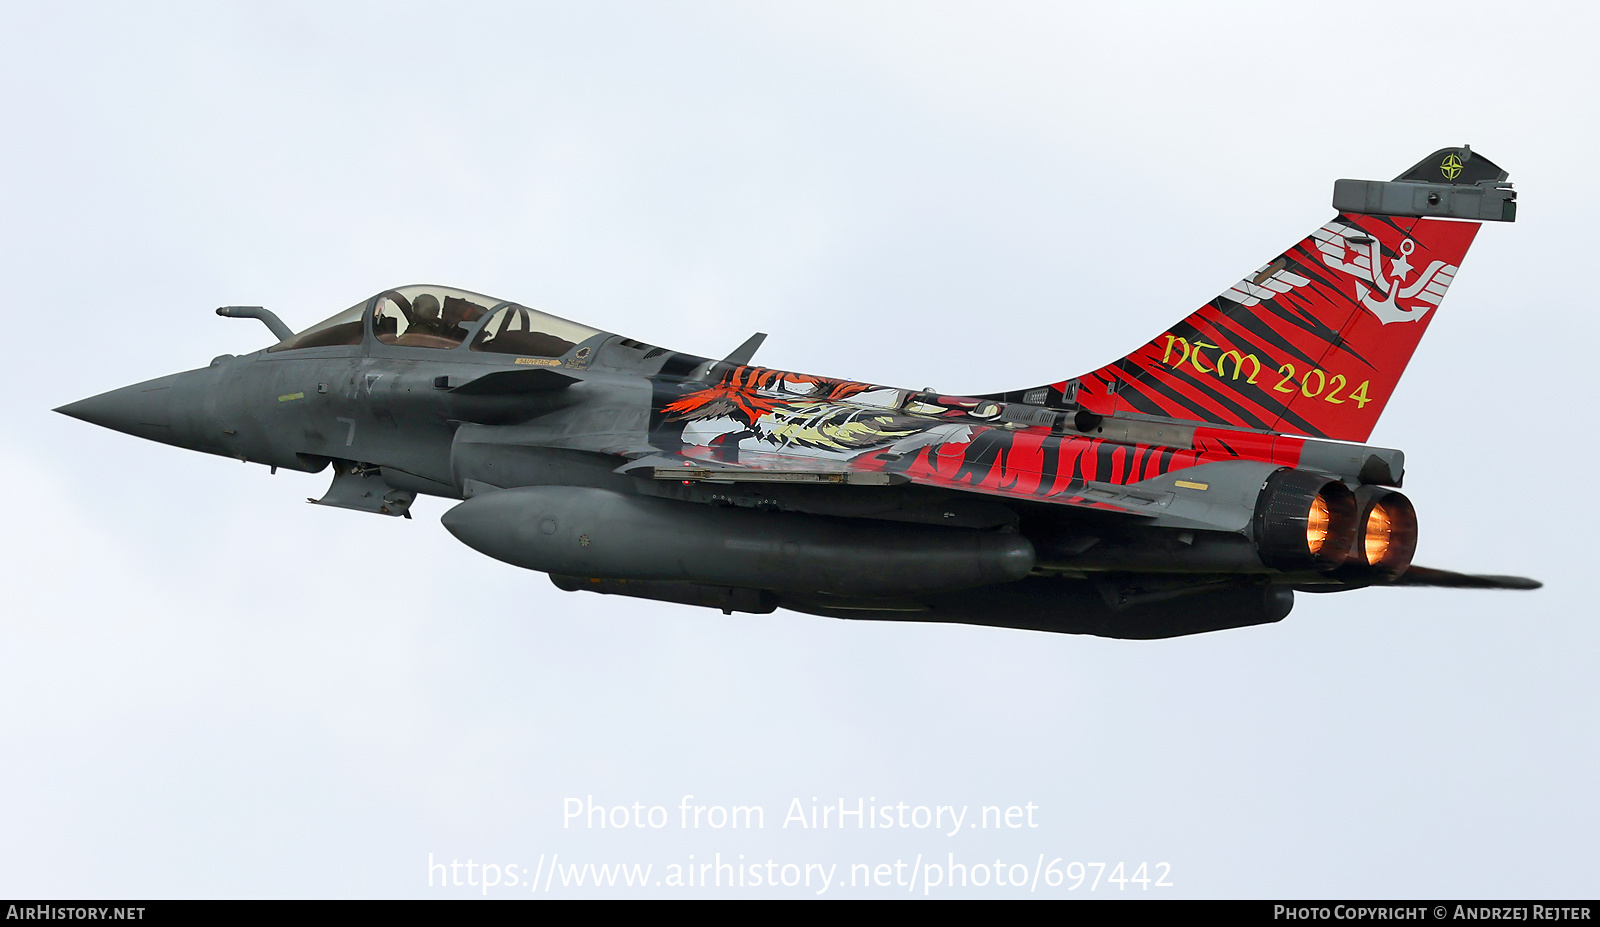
425	308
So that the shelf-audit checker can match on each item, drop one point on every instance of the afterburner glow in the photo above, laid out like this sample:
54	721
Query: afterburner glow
1317	525
1376	534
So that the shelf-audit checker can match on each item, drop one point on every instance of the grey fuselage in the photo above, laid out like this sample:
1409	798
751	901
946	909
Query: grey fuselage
568	464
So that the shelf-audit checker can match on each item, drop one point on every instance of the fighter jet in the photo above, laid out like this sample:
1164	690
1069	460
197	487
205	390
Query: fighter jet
1194	485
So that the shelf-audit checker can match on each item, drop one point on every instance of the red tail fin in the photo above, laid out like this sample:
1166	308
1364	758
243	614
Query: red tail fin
1312	343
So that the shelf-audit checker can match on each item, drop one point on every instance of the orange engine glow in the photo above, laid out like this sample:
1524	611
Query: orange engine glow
1317	525
1376	534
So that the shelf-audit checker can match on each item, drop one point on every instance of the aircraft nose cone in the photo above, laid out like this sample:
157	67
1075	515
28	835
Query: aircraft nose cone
143	409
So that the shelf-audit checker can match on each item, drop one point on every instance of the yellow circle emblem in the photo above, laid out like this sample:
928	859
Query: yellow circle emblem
1451	168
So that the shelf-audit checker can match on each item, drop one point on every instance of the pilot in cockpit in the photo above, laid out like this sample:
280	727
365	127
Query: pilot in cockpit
425	316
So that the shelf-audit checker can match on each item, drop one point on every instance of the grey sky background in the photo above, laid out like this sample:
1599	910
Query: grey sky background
209	688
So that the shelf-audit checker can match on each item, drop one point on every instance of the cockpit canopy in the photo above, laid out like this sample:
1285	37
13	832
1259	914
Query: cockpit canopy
444	318
427	317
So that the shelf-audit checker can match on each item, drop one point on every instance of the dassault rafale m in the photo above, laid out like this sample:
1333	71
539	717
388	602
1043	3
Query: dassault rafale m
1193	485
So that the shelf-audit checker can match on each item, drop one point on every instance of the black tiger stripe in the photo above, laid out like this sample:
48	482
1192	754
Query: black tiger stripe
1140	402
1050	448
984	452
1199	413
1078	475
1251	392
1329	290
1241	340
1226	446
1302	319
1186	408
1104	466
1257	325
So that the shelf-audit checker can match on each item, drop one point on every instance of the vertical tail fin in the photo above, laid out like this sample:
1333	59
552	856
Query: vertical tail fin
1315	341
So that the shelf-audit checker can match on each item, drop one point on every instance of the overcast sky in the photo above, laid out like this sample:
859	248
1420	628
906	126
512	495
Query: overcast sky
208	689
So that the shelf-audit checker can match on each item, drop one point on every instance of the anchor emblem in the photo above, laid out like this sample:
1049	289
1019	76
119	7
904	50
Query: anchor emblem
1349	249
